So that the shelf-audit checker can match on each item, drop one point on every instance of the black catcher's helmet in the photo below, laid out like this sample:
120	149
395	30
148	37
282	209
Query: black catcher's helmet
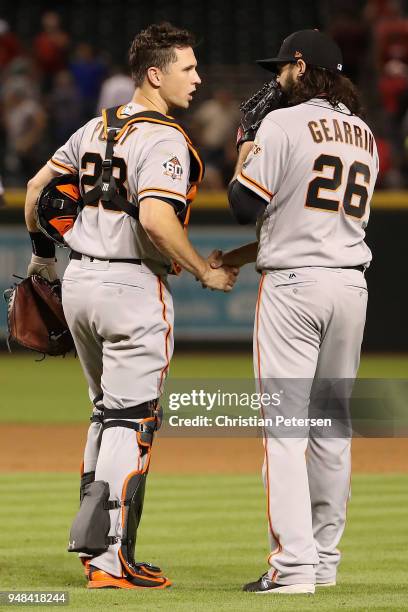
58	206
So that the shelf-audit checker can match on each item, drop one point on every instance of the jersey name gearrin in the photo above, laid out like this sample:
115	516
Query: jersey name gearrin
315	167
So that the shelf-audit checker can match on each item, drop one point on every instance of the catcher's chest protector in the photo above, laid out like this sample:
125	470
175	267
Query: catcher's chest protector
115	125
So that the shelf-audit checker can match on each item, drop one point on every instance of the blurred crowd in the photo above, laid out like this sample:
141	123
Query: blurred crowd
47	91
51	86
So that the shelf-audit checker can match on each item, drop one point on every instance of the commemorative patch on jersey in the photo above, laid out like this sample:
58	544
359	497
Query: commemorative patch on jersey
172	168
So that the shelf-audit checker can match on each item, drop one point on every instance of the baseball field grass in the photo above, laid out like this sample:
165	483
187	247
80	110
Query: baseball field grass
208	532
54	390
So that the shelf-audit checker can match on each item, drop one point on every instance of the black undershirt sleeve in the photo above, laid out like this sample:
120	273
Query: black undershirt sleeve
245	205
42	245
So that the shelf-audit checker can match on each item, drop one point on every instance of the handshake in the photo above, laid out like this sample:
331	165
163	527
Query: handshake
218	274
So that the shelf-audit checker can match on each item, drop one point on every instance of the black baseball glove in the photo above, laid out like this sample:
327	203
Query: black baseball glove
254	110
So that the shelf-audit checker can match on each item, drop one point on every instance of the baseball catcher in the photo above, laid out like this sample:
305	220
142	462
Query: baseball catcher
138	171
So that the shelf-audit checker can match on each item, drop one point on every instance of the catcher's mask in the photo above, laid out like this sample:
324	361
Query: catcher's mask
57	207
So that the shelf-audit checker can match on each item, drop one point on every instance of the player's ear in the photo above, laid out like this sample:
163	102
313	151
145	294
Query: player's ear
301	66
154	76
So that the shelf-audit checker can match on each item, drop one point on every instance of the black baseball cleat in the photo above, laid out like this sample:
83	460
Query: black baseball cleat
265	585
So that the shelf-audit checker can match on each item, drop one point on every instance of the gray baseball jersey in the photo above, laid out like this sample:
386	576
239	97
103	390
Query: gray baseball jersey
149	161
315	167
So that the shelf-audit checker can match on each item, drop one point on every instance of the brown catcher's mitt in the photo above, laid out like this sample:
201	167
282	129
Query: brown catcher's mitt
35	316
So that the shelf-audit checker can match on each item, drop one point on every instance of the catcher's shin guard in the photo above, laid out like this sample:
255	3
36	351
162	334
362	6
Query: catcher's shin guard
133	493
89	532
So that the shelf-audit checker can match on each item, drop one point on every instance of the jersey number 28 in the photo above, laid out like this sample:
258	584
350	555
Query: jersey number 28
96	160
314	200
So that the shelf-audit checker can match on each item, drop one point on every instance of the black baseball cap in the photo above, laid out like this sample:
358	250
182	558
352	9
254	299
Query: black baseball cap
313	47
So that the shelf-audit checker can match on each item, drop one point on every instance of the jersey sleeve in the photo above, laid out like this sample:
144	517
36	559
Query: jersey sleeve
66	159
164	173
265	166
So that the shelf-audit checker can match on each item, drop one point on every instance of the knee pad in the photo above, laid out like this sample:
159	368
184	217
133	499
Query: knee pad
90	529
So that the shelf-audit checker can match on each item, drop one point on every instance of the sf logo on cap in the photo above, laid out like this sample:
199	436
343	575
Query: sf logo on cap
172	167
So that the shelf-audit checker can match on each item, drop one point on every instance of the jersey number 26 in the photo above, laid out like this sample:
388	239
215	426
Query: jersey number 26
314	200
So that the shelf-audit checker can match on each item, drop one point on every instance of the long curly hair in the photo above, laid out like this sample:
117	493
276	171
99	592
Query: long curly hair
333	87
155	46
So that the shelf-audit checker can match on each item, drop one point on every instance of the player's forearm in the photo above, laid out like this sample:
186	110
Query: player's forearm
165	231
173	242
30	201
242	255
34	187
244	150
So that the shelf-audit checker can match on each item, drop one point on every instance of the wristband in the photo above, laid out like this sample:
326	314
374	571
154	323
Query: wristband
41	245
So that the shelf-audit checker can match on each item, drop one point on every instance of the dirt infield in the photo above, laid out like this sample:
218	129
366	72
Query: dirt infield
53	448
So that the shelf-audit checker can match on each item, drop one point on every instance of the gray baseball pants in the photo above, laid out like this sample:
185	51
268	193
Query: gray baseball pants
308	331
121	318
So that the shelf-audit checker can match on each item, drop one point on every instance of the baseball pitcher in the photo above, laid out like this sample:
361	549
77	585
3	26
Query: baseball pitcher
306	177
